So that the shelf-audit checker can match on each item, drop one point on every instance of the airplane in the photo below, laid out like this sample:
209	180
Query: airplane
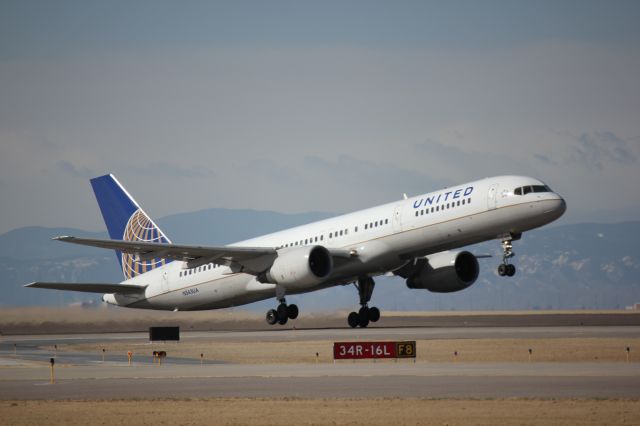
418	239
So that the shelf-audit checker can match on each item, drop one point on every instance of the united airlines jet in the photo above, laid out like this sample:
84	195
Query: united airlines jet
416	238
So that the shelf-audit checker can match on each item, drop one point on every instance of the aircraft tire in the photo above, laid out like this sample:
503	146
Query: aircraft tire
282	311
363	317
374	314
353	320
511	270
272	316
292	312
502	270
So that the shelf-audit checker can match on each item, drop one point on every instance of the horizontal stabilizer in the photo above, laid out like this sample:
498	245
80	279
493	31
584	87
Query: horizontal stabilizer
90	287
248	259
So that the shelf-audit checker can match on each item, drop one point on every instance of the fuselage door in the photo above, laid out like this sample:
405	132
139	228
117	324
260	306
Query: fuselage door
397	218
165	282
492	196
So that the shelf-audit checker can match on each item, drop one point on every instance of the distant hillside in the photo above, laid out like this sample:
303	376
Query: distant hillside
589	265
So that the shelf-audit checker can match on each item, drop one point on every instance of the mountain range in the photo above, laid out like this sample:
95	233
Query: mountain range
578	266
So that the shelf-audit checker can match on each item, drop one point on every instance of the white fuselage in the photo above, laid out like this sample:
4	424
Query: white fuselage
384	238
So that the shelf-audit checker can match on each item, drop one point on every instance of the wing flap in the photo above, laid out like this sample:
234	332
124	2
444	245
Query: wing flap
90	287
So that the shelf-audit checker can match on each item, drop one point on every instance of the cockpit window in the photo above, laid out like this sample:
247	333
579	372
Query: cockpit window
541	188
524	190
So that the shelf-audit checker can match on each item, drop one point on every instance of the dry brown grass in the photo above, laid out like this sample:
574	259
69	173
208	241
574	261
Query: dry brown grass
469	350
284	412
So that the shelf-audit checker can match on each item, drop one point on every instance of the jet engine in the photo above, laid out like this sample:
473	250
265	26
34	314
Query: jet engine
444	272
300	267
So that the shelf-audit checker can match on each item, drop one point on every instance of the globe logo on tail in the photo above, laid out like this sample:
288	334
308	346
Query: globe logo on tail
141	228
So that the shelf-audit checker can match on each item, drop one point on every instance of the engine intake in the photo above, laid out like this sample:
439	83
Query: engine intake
300	267
445	272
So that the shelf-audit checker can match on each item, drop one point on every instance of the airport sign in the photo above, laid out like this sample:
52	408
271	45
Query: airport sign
369	350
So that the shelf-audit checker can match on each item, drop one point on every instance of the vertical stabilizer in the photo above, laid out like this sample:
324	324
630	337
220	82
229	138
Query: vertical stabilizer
126	221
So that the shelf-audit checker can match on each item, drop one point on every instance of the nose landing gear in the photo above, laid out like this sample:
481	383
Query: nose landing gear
507	269
365	314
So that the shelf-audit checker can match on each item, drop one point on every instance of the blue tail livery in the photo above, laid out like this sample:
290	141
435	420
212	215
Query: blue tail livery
126	221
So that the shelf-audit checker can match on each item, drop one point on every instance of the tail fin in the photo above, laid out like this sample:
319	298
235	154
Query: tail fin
126	221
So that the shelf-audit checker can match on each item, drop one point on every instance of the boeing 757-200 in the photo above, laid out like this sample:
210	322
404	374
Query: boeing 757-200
415	238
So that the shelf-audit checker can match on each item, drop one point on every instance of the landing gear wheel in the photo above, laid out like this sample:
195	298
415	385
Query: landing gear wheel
374	314
292	312
353	320
272	316
282	314
502	269
511	270
363	317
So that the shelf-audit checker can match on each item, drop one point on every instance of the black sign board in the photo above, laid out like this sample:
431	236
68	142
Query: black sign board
164	333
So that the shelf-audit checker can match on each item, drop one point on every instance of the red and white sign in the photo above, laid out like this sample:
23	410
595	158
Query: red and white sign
368	350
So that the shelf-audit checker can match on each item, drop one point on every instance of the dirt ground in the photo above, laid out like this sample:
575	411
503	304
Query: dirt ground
468	350
284	412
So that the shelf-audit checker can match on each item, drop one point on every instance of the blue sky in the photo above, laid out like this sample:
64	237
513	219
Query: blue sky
297	106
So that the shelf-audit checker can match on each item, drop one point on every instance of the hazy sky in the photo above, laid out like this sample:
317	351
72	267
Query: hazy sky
297	106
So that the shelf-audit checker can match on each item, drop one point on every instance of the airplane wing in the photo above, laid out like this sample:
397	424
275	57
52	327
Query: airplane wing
90	287
252	260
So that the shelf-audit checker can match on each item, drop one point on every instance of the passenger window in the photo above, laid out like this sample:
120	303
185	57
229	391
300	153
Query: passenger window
386	221
321	237
469	201
437	208
458	203
346	231
356	229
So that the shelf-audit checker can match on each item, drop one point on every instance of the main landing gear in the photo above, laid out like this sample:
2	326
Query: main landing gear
283	312
506	268
365	314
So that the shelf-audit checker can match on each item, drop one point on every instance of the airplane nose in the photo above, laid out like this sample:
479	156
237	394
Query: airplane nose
562	207
556	207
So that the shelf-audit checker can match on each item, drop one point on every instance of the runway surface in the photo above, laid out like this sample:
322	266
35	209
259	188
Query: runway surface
84	376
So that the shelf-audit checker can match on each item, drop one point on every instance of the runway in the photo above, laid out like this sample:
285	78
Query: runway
25	376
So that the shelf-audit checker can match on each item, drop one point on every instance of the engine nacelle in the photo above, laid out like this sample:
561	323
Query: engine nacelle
445	272
300	267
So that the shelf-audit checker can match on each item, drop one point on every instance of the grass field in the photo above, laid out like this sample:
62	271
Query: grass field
437	350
